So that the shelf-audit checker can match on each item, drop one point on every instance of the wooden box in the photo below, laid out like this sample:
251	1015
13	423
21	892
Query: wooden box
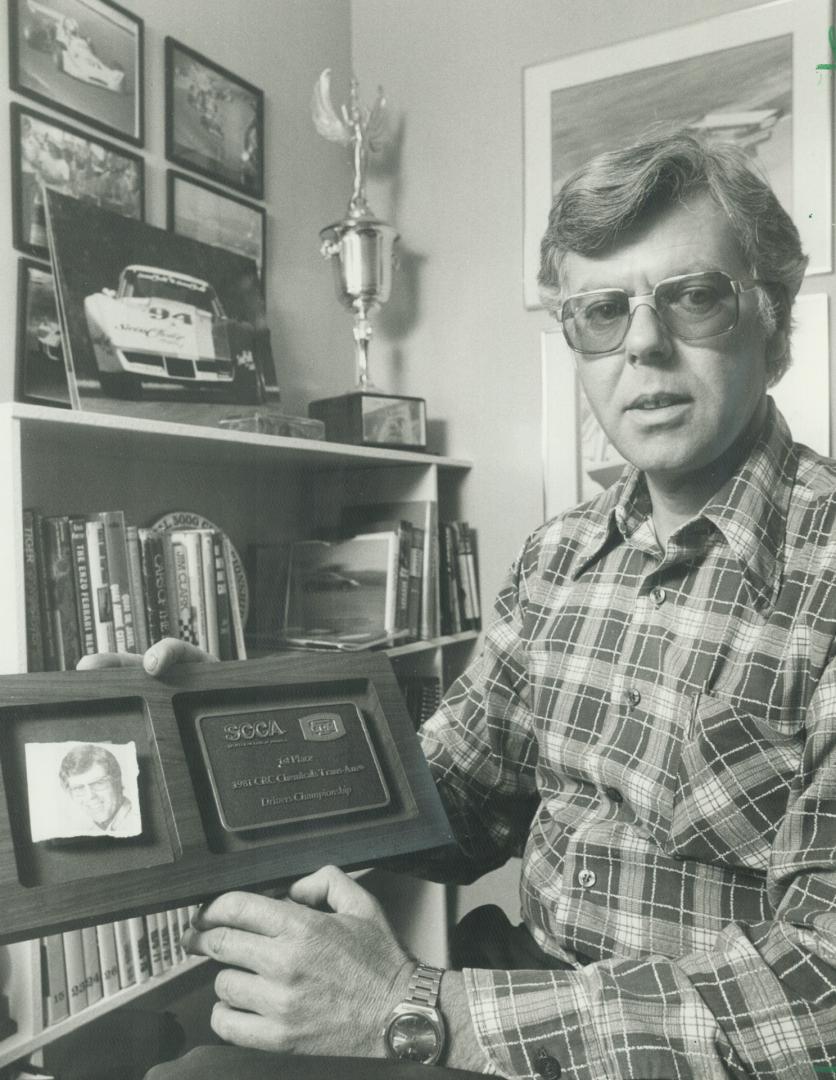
248	774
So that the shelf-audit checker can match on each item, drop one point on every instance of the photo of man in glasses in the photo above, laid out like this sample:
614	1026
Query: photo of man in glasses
651	723
91	776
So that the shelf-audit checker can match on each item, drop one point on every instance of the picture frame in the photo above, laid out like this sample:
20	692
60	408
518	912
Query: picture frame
215	217
84	58
40	376
46	152
214	121
759	56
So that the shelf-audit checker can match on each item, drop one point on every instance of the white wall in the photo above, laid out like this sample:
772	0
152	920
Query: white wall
281	46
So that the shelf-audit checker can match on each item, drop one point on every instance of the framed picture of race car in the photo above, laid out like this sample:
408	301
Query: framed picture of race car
40	376
214	121
48	154
82	57
195	209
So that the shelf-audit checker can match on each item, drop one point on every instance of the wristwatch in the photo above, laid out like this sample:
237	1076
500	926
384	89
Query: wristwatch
415	1029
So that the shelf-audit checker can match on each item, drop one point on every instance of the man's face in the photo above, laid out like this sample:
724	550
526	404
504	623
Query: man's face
97	793
672	407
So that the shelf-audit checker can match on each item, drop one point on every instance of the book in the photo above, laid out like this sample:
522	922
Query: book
239	644
108	958
54	979
343	587
83	590
124	953
416	576
34	631
100	587
155	948
173	922
182	615
61	598
140	950
154	587
210	590
76	978
137	596
226	644
190	555
47	626
92	967
165	940
116	550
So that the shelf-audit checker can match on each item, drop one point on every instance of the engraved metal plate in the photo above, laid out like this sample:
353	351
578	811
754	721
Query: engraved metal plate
272	766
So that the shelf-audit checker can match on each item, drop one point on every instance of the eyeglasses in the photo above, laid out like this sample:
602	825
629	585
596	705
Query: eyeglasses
94	787
690	306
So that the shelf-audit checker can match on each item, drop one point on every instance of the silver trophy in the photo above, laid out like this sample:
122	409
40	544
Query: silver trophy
361	246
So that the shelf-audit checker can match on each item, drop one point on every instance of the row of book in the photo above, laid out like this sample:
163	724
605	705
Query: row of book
80	967
94	583
460	604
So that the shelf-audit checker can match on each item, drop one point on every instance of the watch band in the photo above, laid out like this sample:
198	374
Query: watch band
424	985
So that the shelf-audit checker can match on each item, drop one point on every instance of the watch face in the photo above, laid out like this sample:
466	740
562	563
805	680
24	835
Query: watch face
414	1037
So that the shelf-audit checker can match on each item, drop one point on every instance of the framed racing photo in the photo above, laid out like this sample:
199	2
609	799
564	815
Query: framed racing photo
214	121
39	360
195	209
82	57
49	154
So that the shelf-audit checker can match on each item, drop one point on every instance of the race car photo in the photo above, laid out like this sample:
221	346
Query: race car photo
162	325
50	32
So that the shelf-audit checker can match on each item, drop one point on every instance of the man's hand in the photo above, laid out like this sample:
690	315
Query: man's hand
316	974
157	660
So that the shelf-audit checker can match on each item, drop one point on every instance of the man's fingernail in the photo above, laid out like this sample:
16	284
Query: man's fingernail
150	661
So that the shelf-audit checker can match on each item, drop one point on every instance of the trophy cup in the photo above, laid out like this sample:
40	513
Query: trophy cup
361	251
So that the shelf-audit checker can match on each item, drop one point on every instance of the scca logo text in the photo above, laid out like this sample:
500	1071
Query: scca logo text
261	729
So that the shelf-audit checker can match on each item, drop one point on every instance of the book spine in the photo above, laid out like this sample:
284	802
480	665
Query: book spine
100	588
120	584
124	953
61	592
108	958
404	549
184	626
155	950
430	599
234	603
140	953
416	571
47	628
54	979
137	595
173	922
34	630
83	591
210	591
226	648
92	967
472	564
165	940
194	562
74	962
153	577
390	617
184	922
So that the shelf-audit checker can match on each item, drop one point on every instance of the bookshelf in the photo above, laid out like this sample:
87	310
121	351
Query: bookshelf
258	488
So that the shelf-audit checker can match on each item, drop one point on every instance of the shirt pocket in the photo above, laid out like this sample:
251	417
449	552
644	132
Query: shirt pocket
733	783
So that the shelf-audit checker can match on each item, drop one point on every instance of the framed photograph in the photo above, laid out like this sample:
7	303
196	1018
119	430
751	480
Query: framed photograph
82	57
82	789
223	220
214	121
39	369
46	153
764	94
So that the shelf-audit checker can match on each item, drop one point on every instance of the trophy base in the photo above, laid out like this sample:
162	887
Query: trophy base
363	418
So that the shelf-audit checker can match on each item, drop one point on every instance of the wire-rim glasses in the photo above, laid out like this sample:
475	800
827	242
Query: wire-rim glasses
690	306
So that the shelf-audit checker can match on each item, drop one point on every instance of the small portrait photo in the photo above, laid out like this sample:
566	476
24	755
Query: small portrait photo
45	153
222	220
39	369
82	789
214	121
82	57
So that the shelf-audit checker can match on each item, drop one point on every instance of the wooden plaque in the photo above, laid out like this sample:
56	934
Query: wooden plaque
226	776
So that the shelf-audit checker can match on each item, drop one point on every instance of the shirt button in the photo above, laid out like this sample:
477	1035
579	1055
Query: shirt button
658	595
546	1066
613	794
633	696
586	878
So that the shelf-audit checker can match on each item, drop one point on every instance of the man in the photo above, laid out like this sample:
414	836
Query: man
652	721
92	778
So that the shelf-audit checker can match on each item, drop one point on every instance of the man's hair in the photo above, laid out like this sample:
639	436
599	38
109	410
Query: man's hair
84	757
617	190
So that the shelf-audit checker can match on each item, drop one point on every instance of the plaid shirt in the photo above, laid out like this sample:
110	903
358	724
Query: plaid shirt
656	732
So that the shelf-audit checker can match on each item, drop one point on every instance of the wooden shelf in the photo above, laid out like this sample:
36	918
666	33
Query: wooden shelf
433	643
193	442
22	1045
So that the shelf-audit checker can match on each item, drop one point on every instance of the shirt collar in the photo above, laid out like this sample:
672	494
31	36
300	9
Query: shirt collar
751	513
